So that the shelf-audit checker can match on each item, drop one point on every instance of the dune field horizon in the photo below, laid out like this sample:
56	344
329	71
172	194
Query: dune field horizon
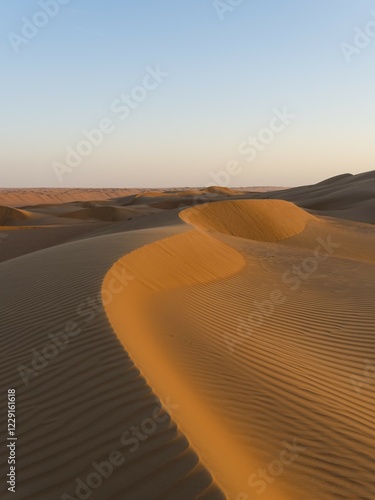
195	343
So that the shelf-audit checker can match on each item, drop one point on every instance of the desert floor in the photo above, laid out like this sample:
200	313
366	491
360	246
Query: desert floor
190	343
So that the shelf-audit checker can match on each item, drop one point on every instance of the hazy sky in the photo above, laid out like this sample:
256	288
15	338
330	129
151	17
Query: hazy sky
220	73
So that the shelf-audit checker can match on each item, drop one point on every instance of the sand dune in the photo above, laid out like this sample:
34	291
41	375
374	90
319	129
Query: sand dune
181	260
18	241
243	317
170	201
265	220
18	218
46	196
78	407
253	389
222	190
347	196
11	216
20	197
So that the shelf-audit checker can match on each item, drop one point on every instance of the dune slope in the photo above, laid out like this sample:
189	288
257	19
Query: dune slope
11	216
346	196
263	220
271	361
84	398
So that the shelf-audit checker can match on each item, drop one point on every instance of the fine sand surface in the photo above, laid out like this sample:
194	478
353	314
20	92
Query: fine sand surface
219	342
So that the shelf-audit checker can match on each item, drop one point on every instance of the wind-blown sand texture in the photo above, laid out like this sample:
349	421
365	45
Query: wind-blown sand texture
245	325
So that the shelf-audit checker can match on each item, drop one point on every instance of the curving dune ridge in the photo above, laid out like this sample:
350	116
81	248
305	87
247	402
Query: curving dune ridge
83	402
262	220
262	360
249	332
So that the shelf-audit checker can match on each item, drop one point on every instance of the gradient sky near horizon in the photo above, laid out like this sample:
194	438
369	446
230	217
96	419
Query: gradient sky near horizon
225	78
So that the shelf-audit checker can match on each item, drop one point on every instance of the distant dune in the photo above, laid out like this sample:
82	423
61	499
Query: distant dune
19	197
11	216
33	196
347	196
219	342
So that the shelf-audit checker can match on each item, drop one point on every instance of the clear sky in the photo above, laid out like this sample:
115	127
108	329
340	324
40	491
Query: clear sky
233	67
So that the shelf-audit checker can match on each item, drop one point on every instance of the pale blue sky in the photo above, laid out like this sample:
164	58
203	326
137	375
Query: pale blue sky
225	79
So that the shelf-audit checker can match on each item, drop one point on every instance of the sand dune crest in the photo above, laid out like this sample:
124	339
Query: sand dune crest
262	220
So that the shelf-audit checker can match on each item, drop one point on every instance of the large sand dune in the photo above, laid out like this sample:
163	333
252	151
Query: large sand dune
256	359
233	330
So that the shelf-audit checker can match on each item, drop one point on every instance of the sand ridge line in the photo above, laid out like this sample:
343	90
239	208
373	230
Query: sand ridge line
196	257
289	382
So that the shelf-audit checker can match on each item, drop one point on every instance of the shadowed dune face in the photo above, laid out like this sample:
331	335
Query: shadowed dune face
12	216
262	220
81	404
345	196
105	214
